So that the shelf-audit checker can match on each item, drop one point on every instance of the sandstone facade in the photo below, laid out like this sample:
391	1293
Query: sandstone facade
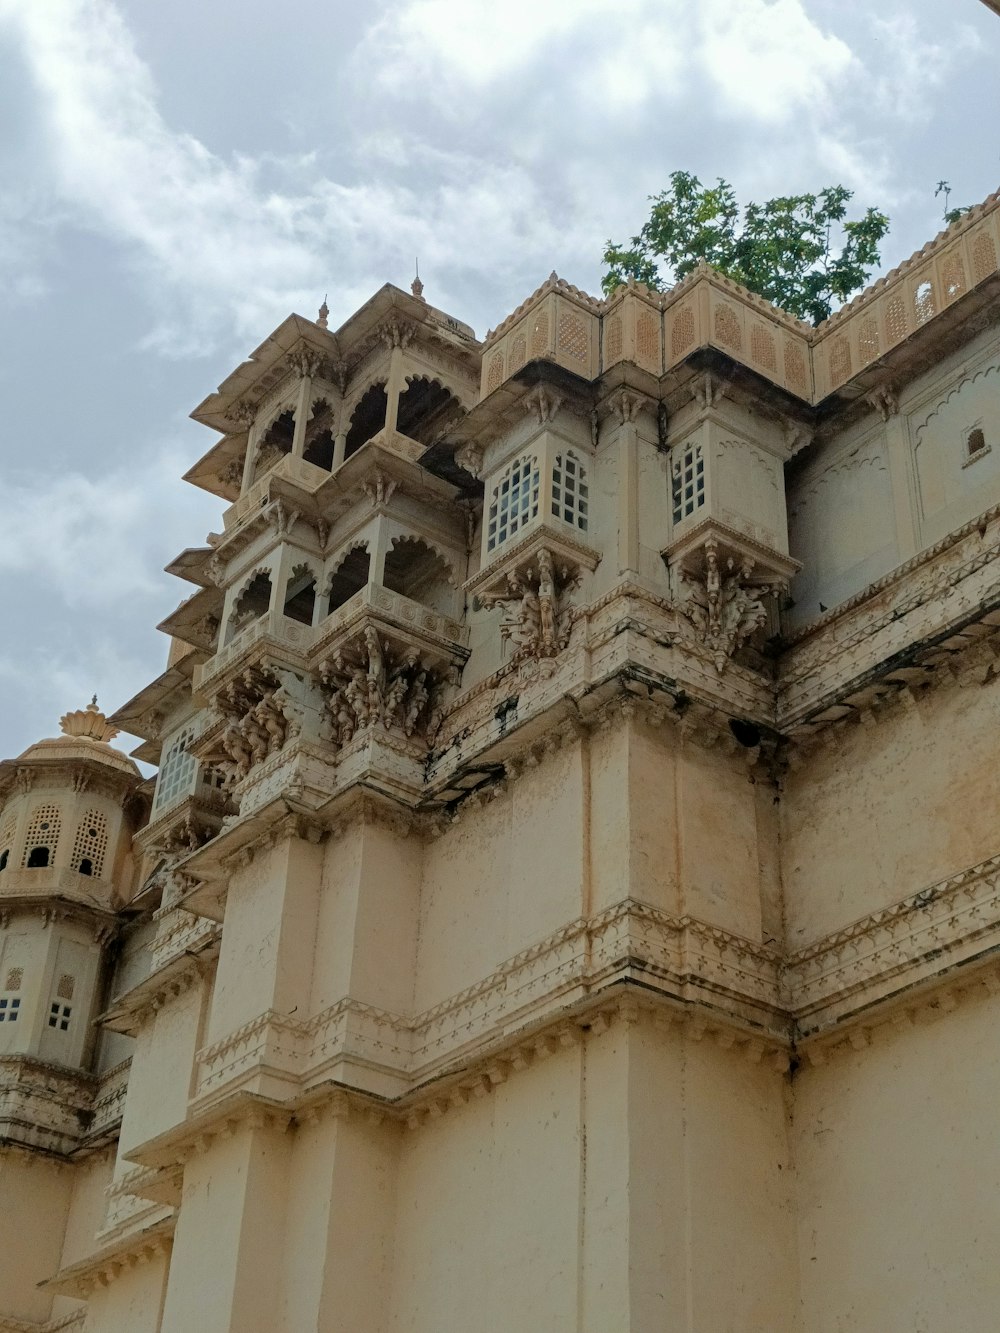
569	899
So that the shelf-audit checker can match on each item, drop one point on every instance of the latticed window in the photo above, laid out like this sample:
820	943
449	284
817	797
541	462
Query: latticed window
42	837
687	482
570	495
176	776
59	1015
90	844
10	1006
6	838
515	500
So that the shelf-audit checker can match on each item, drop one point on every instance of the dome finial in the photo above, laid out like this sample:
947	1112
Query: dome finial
89	723
324	315
416	286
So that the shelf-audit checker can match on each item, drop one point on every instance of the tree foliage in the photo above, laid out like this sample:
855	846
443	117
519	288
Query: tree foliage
799	251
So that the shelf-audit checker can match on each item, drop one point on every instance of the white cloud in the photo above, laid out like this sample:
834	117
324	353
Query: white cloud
92	542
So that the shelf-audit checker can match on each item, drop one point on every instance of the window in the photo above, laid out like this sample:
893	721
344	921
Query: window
9	1008
90	844
515	500
42	836
570	494
348	577
176	776
687	482
59	1015
975	442
300	595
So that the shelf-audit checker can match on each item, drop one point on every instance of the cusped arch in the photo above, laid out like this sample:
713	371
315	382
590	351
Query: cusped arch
348	574
421	572
252	600
299	597
955	390
320	433
427	406
275	440
367	418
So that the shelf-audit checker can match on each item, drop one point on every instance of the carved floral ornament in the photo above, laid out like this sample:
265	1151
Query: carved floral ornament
538	612
724	603
369	681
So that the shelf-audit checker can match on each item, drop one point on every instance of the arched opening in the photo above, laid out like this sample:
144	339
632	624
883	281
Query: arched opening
426	409
350	576
86	866
38	858
976	442
367	419
277	442
419	573
253	602
4	858
300	595
320	436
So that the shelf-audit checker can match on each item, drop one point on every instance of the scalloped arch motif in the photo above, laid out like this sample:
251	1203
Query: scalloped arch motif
358	544
956	389
351	403
416	540
867	455
249	578
279	410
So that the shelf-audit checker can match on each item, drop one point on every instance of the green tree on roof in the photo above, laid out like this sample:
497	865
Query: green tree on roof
800	251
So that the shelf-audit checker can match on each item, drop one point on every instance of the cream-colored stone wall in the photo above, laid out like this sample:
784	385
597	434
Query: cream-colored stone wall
897	1171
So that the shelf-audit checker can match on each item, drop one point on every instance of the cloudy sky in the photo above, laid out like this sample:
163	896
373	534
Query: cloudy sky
179	177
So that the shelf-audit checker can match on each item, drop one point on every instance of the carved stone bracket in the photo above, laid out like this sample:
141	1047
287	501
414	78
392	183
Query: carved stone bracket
260	717
725	602
538	611
371	679
885	401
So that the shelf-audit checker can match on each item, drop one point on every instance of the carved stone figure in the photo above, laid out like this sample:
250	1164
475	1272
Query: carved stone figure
367	681
723	605
538	614
262	717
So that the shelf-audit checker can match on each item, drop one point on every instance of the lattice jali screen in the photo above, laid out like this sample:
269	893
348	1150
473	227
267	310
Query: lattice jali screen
7	832
91	842
727	328
43	831
515	500
687	482
15	976
570	493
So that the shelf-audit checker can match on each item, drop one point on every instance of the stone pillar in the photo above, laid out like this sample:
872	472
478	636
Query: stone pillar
303	405
900	456
393	388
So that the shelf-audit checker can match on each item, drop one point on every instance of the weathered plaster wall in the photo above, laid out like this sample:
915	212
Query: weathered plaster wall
898	1176
889	809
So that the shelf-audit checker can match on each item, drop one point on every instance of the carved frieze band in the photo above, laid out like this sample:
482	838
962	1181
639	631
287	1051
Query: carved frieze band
742	986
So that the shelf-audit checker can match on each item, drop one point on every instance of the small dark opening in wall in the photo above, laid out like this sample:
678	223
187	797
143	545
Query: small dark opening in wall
86	866
4	858
976	442
38	857
746	733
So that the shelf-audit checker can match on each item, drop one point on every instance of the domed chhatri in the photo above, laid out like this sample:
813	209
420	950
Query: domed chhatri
89	723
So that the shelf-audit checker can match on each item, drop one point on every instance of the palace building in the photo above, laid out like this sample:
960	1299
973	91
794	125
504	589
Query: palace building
569	897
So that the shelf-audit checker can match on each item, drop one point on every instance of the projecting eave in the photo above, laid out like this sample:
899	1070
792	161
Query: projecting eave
268	365
258	371
220	470
143	714
191	565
